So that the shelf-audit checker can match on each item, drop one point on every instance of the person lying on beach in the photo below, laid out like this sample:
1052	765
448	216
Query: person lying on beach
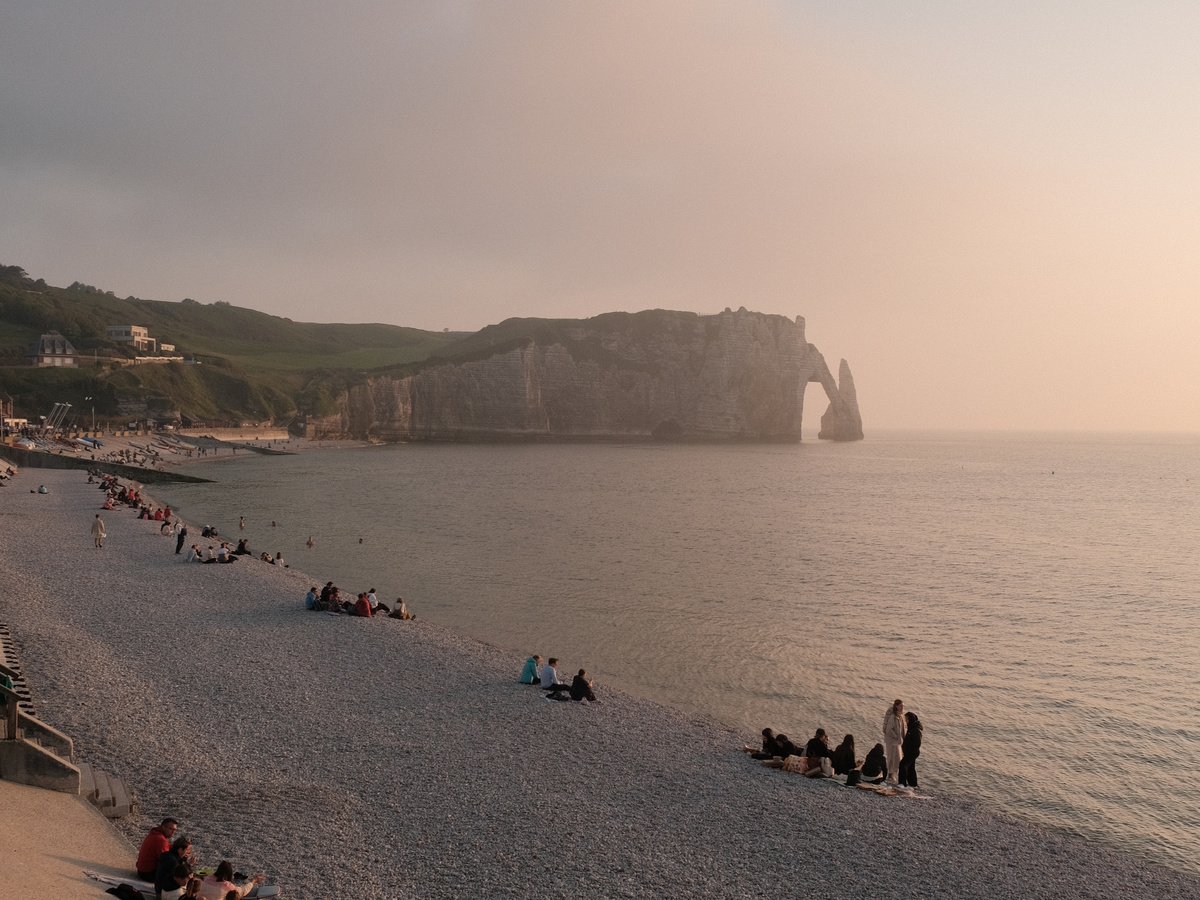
784	749
874	767
219	884
843	756
529	674
770	746
549	677
581	688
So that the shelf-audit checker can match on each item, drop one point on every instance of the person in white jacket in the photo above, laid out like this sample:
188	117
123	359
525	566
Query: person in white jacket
894	727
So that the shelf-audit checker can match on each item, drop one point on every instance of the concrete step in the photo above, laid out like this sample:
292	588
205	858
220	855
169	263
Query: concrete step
122	803
87	782
104	797
109	794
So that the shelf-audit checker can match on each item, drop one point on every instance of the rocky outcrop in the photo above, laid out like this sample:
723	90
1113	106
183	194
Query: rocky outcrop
651	375
842	421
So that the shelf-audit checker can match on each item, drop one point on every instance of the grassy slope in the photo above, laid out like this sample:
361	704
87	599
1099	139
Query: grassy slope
255	365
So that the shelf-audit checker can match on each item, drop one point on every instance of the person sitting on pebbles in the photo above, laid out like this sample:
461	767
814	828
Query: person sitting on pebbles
219	885
581	688
529	674
816	757
400	611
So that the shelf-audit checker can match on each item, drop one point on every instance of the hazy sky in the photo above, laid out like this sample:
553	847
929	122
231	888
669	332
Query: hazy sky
992	210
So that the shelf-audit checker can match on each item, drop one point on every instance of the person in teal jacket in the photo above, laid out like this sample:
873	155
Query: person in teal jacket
529	674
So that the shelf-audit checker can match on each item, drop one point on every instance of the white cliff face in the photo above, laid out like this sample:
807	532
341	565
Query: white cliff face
661	375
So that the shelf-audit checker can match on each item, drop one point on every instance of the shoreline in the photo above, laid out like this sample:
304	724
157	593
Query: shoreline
353	758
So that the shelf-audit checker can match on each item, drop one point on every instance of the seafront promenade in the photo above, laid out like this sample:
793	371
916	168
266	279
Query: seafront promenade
351	758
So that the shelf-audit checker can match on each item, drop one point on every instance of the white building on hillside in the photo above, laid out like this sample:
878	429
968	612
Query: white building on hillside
132	334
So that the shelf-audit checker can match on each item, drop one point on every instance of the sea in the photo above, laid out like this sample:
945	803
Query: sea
1032	597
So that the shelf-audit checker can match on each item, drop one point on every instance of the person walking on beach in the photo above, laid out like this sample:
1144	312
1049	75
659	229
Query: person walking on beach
911	749
894	726
98	534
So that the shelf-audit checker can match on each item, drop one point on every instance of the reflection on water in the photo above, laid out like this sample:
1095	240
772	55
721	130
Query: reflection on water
1032	599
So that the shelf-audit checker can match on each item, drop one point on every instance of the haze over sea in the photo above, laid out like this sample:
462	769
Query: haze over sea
1031	597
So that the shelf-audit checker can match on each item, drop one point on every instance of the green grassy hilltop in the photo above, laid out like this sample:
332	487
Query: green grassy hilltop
252	366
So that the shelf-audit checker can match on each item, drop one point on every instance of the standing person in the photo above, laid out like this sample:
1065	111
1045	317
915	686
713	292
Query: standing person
894	726
309	543
912	749
154	845
98	534
180	536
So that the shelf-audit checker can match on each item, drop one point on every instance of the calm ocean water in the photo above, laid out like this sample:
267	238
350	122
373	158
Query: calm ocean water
1032	598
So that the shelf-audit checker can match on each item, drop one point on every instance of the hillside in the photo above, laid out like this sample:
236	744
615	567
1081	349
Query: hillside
254	366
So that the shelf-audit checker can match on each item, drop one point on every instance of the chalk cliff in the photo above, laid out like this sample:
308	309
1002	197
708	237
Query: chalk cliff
651	375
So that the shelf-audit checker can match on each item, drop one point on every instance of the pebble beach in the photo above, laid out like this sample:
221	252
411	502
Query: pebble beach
352	758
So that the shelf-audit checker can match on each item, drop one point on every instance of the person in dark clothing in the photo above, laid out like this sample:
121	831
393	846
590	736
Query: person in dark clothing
818	745
179	856
874	767
785	747
843	756
770	746
910	750
180	538
816	756
581	688
243	548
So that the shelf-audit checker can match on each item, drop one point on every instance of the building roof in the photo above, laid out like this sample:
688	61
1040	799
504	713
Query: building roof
55	344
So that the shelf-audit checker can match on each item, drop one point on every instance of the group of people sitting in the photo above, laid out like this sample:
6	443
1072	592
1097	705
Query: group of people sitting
894	760
367	604
222	553
546	677
169	863
116	492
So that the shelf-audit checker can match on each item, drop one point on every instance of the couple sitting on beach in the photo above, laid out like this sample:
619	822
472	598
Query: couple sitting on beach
579	690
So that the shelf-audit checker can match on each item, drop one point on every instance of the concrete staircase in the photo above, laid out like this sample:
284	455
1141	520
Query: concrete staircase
35	753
